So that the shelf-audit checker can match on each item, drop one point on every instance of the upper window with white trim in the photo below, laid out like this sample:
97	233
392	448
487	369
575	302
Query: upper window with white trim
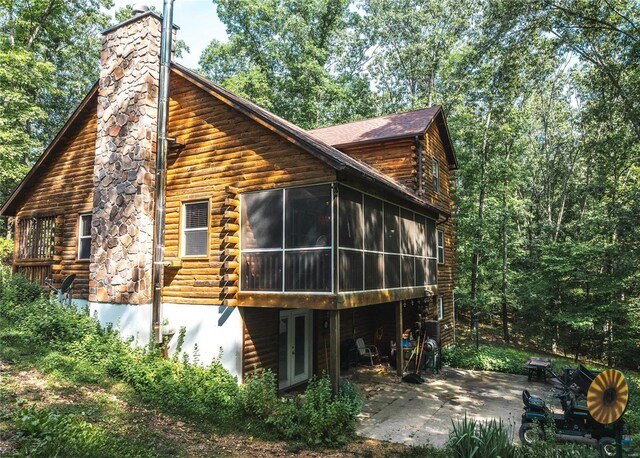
195	229
436	176
84	237
440	247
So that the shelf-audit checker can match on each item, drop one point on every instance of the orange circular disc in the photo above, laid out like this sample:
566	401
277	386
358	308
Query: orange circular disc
608	396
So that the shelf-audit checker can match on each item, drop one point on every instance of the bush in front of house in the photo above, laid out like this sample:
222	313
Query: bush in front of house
75	347
317	417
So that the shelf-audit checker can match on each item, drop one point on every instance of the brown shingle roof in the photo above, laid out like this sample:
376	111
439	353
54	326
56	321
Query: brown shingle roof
384	128
398	125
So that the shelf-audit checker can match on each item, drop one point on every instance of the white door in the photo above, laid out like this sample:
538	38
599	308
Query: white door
294	347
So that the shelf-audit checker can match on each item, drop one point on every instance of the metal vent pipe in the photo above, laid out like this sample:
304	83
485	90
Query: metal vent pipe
166	42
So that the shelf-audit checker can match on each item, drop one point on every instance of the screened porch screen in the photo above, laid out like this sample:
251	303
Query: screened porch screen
286	240
382	245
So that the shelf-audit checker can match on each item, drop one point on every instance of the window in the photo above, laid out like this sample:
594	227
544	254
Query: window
36	237
440	247
382	245
440	308
286	240
436	176
195	229
84	237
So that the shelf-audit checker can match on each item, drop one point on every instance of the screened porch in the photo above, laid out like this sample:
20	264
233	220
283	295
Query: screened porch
331	246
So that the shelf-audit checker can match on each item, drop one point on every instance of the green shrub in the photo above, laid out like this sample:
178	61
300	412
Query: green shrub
317	418
44	433
487	358
470	438
58	325
259	396
16	294
6	251
86	354
180	387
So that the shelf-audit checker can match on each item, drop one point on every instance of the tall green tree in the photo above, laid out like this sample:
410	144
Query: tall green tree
48	60
300	59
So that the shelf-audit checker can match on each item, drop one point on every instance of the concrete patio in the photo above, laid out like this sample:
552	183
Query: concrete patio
419	414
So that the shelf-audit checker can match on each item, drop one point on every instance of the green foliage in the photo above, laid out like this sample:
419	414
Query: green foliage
48	55
259	395
489	439
44	433
317	417
86	354
299	59
487	358
6	251
329	419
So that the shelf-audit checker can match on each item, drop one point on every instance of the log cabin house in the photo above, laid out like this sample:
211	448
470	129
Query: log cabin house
281	244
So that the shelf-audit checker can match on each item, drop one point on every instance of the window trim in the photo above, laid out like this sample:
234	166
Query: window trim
80	236
440	306
183	215
439	247
436	176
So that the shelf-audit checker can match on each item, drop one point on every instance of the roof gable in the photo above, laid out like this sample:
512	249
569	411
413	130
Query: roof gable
335	158
390	127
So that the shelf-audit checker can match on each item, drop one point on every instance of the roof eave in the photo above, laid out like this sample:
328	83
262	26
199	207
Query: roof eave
405	136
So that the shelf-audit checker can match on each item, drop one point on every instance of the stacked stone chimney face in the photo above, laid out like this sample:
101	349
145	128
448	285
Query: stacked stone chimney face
124	171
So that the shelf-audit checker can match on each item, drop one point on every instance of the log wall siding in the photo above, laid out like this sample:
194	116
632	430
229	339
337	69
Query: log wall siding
64	187
393	158
444	200
222	148
260	339
434	148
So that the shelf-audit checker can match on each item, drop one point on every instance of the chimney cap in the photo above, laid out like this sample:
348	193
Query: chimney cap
139	9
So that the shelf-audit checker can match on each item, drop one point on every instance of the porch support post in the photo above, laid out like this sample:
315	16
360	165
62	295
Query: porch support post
399	351
334	350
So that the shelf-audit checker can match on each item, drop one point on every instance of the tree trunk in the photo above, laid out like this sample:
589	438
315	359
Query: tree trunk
505	316
475	259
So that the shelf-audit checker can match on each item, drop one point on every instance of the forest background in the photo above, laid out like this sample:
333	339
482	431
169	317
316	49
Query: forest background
542	99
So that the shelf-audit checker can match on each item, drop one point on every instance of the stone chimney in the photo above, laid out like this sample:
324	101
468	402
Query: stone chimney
122	222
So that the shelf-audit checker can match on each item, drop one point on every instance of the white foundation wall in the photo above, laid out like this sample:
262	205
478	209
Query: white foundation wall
132	321
216	331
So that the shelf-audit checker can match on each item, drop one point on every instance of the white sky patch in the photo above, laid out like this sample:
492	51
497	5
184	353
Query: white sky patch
198	22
